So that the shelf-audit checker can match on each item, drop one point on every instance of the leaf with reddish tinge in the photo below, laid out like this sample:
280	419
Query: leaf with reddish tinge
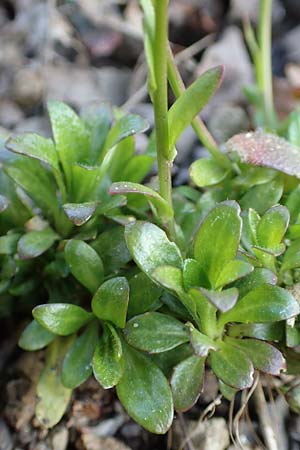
80	213
268	150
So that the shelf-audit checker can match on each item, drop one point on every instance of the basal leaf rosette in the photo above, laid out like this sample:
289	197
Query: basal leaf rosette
224	299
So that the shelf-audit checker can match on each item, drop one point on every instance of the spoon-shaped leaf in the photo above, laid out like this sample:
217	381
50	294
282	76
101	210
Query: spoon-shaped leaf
110	302
232	366
265	149
80	213
145	392
85	264
150	247
187	382
77	365
266	303
154	332
61	318
108	360
35	243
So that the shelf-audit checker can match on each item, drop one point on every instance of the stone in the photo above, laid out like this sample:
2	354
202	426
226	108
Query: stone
212	434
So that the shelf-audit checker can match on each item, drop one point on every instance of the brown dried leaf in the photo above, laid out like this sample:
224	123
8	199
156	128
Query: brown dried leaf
268	150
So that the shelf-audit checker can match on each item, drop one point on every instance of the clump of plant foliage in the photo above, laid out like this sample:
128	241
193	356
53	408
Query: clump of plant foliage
142	285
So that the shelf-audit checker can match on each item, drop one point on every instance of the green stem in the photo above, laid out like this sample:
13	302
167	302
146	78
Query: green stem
199	127
264	61
160	104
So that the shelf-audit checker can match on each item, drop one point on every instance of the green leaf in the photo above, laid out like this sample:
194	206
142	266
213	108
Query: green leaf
61	318
256	278
150	247
35	337
97	119
53	397
201	343
191	102
193	275
222	300
80	213
233	270
145	393
137	168
84	183
124	127
34	146
108	360
4	203
272	227
227	391
110	302
144	295
154	332
37	182
77	365
124	152
187	382
263	331
217	240
264	356
169	277
85	264
35	243
291	258
8	244
112	248
206	172
265	303
232	366
154	198
264	196
71	137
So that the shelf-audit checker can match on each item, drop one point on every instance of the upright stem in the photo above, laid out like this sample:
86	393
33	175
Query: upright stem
160	103
264	69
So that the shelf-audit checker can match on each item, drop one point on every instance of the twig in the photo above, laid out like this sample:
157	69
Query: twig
240	412
187	437
264	418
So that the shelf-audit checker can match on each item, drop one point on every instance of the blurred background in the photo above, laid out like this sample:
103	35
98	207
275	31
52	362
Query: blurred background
82	51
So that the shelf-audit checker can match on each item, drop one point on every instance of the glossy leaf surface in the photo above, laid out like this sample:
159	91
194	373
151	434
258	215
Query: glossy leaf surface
61	318
108	360
206	172
150	247
35	337
232	366
186	382
85	264
264	357
110	302
145	393
266	303
217	240
35	243
77	364
154	332
80	213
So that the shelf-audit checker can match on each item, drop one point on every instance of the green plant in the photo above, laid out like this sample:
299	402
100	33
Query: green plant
209	282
